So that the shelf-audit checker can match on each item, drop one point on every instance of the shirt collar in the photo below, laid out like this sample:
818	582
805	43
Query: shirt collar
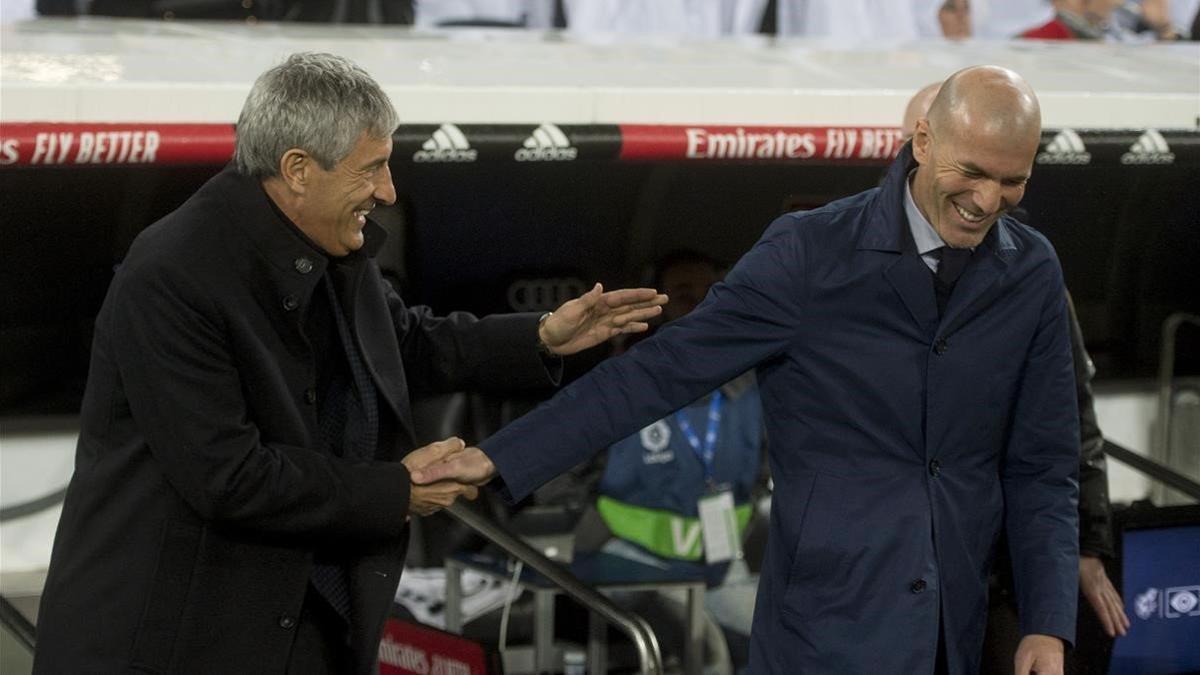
925	237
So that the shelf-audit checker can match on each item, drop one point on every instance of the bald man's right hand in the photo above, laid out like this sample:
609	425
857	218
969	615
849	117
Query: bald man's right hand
432	496
470	466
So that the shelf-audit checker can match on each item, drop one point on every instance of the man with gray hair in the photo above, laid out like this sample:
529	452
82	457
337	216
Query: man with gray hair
241	485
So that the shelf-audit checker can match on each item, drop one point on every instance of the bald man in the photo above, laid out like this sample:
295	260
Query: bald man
918	107
912	353
1095	511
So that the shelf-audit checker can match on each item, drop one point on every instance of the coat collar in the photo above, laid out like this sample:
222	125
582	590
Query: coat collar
286	267
886	229
287	250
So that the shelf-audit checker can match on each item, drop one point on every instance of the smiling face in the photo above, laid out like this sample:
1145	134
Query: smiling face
975	151
965	182
335	203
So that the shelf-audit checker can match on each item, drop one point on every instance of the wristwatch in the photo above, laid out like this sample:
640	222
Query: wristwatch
541	345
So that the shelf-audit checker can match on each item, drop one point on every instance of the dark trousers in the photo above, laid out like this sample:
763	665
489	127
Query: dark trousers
320	646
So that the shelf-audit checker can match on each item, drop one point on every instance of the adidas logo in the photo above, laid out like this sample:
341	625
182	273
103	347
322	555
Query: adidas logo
447	144
1065	148
1149	148
547	143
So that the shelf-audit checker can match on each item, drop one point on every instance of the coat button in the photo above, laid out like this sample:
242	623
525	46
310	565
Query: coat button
290	303
935	468
940	346
303	265
917	586
287	622
310	396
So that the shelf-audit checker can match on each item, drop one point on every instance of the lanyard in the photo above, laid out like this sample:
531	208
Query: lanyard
706	452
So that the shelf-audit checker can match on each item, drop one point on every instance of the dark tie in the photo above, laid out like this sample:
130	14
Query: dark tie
350	427
952	262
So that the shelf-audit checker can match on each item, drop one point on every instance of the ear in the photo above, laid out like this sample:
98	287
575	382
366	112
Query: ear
921	141
295	168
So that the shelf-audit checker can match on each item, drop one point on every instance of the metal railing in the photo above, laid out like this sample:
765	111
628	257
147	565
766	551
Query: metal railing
1176	442
12	620
1166	374
643	637
1159	472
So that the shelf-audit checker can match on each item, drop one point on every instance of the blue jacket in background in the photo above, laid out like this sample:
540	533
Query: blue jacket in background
654	479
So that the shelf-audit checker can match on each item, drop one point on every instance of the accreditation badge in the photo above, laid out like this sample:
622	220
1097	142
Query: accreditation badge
718	523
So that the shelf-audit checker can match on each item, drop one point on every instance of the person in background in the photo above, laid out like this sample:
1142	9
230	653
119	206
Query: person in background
918	108
1078	20
691	18
655	480
242	478
912	351
1154	19
535	14
852	21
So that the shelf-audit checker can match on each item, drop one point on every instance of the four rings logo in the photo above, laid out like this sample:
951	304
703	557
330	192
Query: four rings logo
1149	148
547	143
538	295
1065	148
448	144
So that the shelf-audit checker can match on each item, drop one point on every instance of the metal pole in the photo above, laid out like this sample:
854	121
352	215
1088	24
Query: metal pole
1153	469
644	640
15	621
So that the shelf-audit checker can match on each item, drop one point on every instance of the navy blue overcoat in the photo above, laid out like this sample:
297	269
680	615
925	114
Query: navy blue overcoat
901	443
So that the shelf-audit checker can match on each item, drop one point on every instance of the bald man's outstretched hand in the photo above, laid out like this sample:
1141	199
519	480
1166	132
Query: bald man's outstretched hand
469	467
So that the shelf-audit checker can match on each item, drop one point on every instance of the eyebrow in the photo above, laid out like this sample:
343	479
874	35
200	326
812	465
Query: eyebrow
973	168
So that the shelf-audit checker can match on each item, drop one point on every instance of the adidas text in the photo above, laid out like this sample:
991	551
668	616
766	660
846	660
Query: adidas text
446	155
447	144
547	143
546	154
1065	148
1150	148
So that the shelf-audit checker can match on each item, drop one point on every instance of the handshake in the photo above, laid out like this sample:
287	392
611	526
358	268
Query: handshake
444	471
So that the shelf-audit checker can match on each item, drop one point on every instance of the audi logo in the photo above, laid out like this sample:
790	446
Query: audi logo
540	295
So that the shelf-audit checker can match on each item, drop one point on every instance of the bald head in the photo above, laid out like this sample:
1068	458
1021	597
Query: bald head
918	107
975	152
986	100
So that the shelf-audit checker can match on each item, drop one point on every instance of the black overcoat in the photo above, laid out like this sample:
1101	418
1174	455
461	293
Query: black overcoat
201	490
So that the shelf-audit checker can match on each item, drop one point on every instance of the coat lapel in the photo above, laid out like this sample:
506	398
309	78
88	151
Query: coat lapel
373	327
887	230
910	277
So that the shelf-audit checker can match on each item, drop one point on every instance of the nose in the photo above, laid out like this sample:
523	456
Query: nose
385	191
988	196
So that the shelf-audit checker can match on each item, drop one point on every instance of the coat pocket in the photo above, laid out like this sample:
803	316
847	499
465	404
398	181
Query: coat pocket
813	554
158	629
